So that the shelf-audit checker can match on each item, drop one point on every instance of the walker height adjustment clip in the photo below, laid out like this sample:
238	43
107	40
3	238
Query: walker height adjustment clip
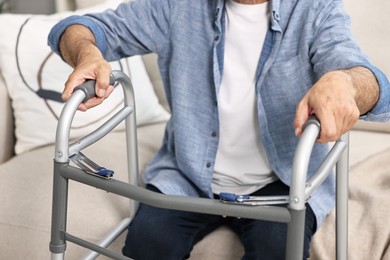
90	167
252	200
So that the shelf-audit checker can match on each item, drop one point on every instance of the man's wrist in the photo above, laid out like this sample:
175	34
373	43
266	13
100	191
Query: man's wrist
366	86
75	41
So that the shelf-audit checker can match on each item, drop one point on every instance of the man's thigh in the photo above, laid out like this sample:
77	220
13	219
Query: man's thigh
267	240
158	233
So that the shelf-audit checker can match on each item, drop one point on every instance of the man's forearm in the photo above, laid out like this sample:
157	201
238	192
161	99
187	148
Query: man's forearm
78	48
366	86
75	40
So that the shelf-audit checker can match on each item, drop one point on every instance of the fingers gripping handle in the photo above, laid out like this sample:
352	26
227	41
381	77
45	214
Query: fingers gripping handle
88	88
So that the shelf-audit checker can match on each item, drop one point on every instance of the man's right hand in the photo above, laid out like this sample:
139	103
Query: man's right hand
78	48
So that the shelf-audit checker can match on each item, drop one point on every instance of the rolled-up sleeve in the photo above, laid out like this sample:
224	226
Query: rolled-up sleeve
134	28
381	110
57	31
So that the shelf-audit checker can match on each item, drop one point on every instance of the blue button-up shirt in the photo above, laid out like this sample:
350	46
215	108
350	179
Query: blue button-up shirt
306	39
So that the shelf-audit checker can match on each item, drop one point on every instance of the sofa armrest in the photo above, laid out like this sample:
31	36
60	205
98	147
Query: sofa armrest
382	127
7	138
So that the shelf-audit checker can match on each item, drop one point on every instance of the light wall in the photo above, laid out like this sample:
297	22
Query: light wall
33	6
371	27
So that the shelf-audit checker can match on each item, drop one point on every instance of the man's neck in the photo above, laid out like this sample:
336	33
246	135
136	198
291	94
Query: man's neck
250	2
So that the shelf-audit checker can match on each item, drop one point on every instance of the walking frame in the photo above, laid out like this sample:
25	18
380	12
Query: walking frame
301	188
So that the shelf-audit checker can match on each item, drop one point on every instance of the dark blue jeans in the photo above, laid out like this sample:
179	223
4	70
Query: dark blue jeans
170	234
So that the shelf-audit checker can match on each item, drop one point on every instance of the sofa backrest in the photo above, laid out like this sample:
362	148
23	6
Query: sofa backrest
7	138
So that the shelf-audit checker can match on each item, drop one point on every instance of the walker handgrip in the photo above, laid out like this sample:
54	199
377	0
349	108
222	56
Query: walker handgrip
88	88
313	120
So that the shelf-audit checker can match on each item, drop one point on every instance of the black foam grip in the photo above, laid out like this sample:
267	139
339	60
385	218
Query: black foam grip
88	88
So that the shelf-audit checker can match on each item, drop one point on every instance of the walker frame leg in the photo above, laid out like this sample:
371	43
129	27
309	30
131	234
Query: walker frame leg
342	178
295	235
59	213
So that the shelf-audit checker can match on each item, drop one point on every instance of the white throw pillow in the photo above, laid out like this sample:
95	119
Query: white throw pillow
32	72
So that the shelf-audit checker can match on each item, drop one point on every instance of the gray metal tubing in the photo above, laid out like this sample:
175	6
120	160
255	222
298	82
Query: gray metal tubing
94	247
131	135
342	176
202	205
109	238
326	167
100	132
297	208
295	235
55	256
62	149
300	165
59	211
63	127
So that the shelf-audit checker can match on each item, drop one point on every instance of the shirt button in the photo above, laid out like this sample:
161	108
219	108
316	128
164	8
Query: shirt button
214	134
208	165
216	38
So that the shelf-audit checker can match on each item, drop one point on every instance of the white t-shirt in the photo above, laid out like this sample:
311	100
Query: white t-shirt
241	165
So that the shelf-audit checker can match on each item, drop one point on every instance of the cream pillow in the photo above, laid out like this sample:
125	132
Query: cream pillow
35	78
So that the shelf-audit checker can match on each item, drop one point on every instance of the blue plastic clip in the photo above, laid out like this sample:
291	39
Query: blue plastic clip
252	200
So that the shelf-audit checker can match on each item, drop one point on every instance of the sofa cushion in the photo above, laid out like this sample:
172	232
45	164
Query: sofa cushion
372	126
6	124
32	74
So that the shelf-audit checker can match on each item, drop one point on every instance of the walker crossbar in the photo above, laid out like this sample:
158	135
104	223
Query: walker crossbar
202	205
293	214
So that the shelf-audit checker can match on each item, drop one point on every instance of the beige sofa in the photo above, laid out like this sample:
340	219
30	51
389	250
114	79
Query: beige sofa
26	178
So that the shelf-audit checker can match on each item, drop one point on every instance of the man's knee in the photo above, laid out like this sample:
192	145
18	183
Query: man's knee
155	244
155	236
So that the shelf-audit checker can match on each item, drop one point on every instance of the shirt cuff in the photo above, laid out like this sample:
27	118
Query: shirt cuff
381	110
57	31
